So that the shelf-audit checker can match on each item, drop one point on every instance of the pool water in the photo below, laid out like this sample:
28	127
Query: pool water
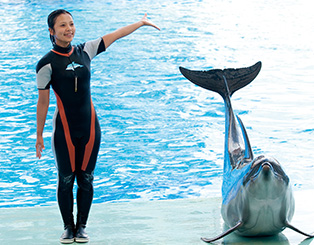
162	137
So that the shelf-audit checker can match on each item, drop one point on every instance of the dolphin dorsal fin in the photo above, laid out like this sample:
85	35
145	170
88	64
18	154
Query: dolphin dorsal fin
248	154
214	79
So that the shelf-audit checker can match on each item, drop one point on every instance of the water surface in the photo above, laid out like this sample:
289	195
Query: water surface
162	137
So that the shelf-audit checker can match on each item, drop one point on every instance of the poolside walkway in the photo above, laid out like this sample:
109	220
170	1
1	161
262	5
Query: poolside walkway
156	222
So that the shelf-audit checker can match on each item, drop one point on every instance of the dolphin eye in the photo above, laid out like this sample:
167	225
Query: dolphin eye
279	172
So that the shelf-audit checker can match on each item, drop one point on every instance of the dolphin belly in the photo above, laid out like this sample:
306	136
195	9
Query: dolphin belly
262	222
259	217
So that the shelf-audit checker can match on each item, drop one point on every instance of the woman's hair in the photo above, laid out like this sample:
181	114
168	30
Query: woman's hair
52	20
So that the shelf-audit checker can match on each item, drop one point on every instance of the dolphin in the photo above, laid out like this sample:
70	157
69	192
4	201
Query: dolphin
257	198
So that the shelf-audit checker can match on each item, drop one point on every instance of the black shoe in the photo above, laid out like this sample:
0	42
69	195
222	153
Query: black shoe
68	235
81	235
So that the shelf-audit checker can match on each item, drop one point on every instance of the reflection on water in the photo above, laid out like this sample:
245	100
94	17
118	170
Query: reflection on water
162	137
279	239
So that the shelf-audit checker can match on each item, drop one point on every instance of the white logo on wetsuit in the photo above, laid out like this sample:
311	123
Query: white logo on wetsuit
73	66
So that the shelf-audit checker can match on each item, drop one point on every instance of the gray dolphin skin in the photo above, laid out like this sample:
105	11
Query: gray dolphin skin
257	197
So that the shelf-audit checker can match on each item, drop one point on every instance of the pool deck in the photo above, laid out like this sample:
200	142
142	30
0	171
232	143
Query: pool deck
181	221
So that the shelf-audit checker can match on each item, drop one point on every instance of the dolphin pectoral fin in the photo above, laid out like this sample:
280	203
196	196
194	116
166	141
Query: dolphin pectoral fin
301	232
227	232
306	241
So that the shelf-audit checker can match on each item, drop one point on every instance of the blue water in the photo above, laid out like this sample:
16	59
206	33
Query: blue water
162	137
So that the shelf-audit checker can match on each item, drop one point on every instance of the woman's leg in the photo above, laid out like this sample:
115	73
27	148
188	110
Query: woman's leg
65	198
65	175
85	178
85	193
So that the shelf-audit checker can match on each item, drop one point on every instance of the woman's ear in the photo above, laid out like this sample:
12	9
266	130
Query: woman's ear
51	31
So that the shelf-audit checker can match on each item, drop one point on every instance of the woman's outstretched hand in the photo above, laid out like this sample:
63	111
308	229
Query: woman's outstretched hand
147	22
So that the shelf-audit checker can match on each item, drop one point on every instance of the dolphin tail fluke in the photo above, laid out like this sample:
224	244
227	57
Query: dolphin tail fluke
227	232
301	232
214	79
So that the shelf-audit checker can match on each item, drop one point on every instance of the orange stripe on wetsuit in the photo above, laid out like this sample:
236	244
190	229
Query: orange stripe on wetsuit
63	54
90	145
67	134
71	148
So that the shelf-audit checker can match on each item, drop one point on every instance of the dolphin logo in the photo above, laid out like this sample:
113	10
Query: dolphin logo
257	196
72	66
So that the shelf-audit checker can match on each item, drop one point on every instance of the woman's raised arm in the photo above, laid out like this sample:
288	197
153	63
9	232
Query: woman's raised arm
126	30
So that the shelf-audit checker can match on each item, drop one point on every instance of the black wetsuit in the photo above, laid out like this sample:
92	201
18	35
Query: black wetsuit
76	135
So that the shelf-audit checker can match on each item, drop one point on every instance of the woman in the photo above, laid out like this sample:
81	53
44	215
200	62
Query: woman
76	135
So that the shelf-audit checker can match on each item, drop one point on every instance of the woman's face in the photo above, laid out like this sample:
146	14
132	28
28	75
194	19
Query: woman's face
63	30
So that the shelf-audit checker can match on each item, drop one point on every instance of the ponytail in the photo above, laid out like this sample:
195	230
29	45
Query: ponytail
52	39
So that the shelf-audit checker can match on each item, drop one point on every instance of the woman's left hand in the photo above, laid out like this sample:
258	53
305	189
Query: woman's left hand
147	22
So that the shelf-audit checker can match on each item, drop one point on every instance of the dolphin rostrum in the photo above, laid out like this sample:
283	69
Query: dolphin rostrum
257	196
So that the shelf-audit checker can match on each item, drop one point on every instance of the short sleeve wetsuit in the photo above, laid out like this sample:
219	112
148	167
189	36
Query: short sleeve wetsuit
76	134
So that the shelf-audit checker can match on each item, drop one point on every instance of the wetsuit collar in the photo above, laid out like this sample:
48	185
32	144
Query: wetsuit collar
63	51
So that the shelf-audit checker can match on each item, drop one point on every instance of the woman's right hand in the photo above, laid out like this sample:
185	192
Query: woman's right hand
39	146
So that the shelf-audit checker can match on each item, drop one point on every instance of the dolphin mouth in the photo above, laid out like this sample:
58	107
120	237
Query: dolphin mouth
267	167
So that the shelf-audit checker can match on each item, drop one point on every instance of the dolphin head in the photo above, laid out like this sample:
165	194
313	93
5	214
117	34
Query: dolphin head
269	202
266	178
